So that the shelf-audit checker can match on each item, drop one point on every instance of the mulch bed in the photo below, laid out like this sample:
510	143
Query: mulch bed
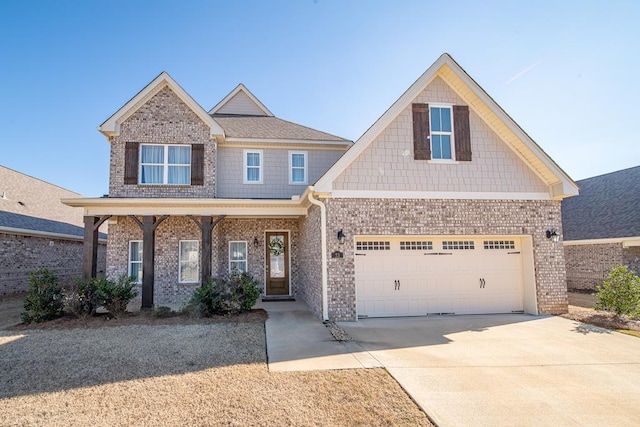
602	319
140	318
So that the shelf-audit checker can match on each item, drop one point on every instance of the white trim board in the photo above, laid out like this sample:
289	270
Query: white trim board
626	241
373	194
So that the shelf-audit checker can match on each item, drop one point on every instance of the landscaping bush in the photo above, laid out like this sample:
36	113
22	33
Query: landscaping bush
45	298
236	294
82	300
114	296
620	292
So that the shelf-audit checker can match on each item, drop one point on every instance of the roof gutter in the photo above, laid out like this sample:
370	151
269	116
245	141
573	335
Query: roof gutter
323	245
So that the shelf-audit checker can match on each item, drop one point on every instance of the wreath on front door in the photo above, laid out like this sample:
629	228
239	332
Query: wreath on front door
276	247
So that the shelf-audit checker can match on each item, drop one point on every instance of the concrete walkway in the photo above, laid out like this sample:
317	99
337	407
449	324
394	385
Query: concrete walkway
298	341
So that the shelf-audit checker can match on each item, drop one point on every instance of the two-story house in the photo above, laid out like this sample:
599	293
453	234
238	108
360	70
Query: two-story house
444	205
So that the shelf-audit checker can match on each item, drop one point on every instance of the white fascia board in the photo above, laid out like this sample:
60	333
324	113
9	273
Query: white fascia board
626	241
516	129
247	92
47	234
111	126
287	142
449	195
155	206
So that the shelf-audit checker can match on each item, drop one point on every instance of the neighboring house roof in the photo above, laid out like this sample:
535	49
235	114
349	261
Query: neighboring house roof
608	207
560	185
112	125
31	206
269	127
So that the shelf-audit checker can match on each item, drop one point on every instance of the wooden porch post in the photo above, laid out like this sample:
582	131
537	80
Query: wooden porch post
148	225
90	248
206	225
90	245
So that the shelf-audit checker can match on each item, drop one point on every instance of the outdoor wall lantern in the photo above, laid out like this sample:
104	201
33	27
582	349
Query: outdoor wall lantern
341	237
553	236
255	242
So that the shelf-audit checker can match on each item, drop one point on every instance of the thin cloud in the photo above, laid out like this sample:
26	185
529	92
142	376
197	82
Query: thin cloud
522	73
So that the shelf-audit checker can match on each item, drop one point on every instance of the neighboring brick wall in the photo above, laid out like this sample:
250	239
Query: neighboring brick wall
588	265
167	289
388	164
20	255
310	261
444	217
163	119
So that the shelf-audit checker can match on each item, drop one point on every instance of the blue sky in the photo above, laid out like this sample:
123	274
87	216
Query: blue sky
566	71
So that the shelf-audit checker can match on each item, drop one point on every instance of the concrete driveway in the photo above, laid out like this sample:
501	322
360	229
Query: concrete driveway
508	369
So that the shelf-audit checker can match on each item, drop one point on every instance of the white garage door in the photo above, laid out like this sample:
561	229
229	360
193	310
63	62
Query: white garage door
409	276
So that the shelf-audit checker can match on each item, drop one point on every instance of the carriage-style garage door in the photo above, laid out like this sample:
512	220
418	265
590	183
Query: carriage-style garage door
415	276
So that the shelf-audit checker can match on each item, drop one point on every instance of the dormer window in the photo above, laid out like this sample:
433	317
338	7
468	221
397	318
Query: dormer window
165	164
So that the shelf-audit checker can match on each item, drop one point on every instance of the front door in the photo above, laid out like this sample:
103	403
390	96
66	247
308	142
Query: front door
277	260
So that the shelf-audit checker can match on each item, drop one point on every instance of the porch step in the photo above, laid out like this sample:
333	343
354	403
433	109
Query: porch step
277	298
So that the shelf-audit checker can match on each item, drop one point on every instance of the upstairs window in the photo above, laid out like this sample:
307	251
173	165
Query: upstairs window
297	167
252	167
165	164
441	132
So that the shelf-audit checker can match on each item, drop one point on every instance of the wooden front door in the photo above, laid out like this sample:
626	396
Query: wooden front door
277	263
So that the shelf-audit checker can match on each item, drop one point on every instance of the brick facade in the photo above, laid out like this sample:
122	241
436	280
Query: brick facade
309	260
444	217
163	119
167	289
588	265
20	255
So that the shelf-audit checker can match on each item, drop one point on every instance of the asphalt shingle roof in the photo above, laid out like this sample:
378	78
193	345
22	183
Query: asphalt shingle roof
269	127
32	204
608	206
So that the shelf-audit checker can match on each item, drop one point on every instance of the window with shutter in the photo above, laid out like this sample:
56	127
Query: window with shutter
441	132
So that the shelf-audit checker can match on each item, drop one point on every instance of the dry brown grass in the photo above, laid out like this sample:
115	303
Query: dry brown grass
10	309
203	374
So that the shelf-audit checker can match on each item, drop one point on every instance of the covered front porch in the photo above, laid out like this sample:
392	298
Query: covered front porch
173	246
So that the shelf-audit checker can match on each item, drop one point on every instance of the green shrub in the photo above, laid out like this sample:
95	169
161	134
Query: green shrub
236	294
82	300
620	292
114	296
44	300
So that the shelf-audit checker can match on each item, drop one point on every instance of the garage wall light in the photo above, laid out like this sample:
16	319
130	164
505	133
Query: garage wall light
255	242
341	237
553	236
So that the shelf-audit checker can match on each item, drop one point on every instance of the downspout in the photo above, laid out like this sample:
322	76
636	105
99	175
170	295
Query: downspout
323	246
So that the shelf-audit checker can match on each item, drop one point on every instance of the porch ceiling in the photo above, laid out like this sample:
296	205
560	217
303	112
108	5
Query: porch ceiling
166	206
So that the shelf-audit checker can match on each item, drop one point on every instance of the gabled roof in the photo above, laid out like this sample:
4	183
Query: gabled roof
240	101
482	104
268	128
112	125
608	207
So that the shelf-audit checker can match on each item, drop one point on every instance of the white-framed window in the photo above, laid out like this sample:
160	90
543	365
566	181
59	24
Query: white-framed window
165	164
135	260
441	131
189	261
238	256
252	167
297	167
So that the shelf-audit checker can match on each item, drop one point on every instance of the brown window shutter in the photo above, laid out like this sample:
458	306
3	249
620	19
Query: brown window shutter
197	164
131	163
421	142
462	132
